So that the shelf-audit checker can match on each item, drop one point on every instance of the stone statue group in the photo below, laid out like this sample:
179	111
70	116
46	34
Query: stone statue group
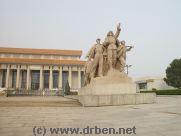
106	56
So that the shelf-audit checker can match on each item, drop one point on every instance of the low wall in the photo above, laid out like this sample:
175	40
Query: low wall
119	99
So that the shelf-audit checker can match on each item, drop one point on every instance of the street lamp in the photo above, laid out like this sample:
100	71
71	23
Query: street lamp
127	66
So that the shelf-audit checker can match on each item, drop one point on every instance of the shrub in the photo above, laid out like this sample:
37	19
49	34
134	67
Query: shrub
154	89
173	74
67	88
164	92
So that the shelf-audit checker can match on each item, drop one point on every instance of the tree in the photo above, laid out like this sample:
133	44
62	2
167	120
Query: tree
173	74
67	88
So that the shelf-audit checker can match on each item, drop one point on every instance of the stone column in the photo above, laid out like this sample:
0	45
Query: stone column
51	78
60	78
7	76
18	77
70	76
1	77
79	77
28	78
10	78
41	78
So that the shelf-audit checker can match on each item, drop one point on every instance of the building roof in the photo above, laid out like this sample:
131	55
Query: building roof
148	78
41	51
41	61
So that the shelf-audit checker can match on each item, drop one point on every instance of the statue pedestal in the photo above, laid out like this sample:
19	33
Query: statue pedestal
114	89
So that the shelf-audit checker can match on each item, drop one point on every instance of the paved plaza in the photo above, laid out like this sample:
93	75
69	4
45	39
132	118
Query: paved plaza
160	119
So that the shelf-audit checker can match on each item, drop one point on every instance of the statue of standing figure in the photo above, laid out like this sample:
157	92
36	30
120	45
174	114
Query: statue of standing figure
111	52
111	42
121	55
94	65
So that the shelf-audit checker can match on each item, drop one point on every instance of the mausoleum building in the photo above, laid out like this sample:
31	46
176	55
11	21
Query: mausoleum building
34	69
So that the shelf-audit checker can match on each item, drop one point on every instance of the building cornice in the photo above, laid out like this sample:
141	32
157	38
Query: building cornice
40	51
41	61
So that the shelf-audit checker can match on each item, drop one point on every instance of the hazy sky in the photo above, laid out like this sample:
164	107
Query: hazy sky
152	26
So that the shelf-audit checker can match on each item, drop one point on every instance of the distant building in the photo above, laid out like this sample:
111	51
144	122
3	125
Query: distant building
151	83
34	69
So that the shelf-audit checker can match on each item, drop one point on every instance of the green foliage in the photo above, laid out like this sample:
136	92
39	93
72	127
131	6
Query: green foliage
154	89
164	92
173	74
67	88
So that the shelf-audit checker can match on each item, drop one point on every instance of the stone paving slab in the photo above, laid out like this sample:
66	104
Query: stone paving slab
160	119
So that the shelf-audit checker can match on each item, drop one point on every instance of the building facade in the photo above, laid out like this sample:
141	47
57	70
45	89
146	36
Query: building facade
39	69
151	83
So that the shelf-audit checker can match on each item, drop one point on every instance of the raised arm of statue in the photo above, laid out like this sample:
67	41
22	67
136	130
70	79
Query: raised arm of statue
118	31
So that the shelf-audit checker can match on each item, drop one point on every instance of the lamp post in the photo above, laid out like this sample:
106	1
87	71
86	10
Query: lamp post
127	66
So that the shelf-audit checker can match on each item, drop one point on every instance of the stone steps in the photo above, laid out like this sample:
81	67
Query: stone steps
38	102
